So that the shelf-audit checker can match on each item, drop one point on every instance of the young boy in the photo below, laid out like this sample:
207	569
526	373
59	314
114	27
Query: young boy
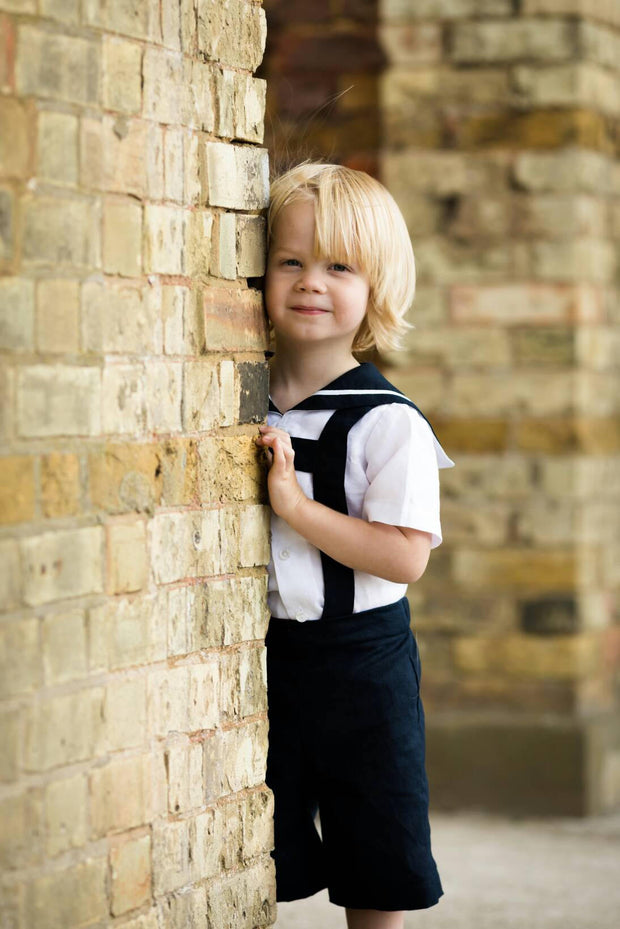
353	485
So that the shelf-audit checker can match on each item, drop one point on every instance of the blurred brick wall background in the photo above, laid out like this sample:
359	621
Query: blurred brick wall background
495	126
133	531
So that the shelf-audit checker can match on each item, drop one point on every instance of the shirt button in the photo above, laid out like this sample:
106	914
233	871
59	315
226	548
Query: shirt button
284	554
300	616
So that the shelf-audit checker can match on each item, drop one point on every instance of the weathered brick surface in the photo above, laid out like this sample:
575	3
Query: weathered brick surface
132	504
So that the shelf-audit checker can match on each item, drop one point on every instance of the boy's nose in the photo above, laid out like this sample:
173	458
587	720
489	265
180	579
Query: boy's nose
310	281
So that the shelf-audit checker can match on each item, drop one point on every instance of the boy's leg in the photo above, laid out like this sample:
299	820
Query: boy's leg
375	919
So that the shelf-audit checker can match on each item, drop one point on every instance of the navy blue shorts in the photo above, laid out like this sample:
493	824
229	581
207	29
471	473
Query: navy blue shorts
346	738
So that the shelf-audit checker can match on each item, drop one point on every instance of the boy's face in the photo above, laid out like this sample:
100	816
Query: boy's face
311	299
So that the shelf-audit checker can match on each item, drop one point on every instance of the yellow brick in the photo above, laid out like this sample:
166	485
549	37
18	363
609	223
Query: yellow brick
17	493
64	646
229	468
121	795
122	85
124	715
122	238
63	730
130	862
15	149
58	148
60	484
553	657
66	812
125	477
521	569
58	316
127	560
20	837
72	897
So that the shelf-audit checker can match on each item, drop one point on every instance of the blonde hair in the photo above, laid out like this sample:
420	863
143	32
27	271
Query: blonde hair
357	222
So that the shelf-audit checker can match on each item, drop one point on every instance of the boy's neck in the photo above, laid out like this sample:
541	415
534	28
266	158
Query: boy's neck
295	376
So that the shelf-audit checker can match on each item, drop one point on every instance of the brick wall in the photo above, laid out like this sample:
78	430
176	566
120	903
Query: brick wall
498	135
133	532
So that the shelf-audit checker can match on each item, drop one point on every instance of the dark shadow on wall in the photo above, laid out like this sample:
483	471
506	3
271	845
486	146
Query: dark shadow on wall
322	64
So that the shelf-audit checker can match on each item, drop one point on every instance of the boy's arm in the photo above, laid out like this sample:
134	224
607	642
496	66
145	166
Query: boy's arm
394	553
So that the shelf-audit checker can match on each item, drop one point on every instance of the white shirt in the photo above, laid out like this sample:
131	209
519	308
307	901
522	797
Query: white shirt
391	477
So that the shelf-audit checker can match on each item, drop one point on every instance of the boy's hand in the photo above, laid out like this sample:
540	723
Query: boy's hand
285	494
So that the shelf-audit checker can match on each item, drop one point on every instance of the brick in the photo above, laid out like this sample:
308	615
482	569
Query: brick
122	75
19	657
122	795
510	41
249	108
597	393
173	164
598	347
64	644
237	607
541	394
247	898
163	86
184	699
66	805
232	32
126	477
61	233
471	347
438	173
123	400
199	97
445	9
243	683
174	309
62	730
16	314
587	260
20	840
544	346
185	545
17	491
525	304
124	145
237	177
229	469
7	226
251	246
224	247
235	759
58	316
127	558
60	564
123	715
200	245
559	215
184	776
165	229
570	170
549	522
15	128
57	148
122	238
580	84
598	43
519	569
171	856
60	485
10	735
72	897
66	11
233	320
130	863
606	11
127	17
10	575
206	839
58	400
125	633
557	657
487	522
208	395
412	44
120	318
60	67
164	397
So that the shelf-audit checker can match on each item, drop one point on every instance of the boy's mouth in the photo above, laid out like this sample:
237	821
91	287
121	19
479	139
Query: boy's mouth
309	310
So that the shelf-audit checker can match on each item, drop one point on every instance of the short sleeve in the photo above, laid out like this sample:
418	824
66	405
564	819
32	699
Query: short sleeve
402	471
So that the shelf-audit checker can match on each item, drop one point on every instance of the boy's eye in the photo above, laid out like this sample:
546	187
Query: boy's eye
340	267
291	263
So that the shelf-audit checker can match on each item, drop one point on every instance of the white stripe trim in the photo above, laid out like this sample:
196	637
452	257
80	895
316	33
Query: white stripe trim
342	393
